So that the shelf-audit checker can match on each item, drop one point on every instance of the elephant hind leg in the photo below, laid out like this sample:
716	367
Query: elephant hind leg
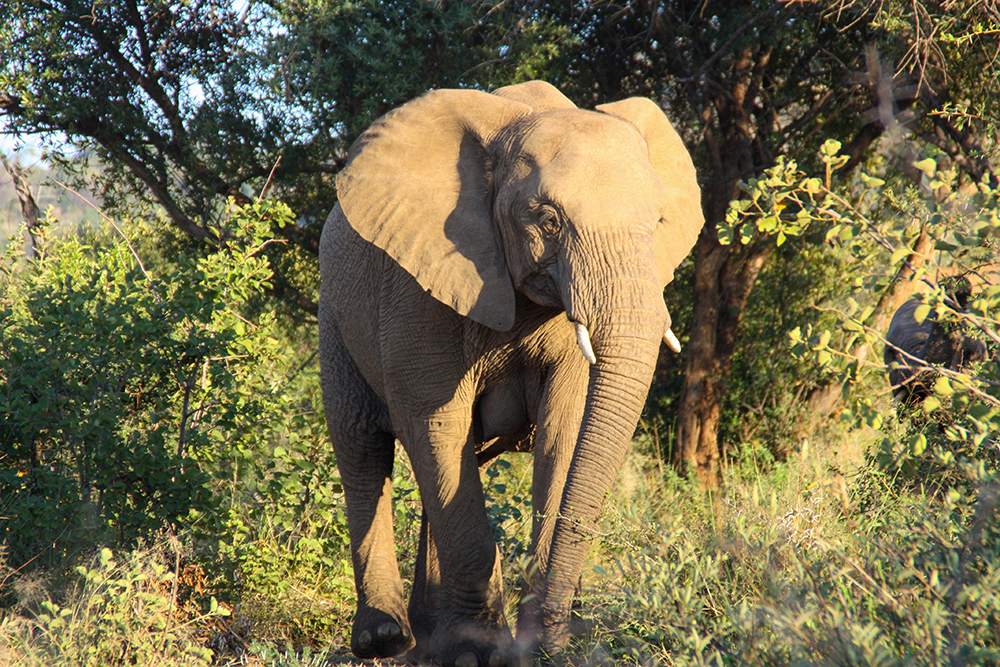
359	431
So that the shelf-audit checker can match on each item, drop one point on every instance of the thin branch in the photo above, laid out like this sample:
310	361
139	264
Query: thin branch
268	182
117	229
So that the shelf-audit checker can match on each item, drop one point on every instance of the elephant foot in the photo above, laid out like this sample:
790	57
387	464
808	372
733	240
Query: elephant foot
470	646
377	634
472	654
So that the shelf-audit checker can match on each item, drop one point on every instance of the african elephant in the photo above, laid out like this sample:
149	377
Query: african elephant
492	280
911	346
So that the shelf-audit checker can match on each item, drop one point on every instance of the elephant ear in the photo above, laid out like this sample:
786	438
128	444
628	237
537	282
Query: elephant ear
681	217
417	185
539	95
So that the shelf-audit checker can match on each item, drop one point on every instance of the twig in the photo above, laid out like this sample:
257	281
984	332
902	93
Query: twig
268	181
188	386
117	229
173	592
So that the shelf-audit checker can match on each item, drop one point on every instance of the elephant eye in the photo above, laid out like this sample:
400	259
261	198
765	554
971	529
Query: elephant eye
549	219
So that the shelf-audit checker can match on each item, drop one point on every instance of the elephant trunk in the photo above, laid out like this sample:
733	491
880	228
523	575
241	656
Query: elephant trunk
626	331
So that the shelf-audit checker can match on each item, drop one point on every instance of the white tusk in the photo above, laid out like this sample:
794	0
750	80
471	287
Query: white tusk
583	340
671	340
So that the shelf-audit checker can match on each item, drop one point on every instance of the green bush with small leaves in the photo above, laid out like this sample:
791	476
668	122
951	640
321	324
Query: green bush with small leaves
135	396
116	612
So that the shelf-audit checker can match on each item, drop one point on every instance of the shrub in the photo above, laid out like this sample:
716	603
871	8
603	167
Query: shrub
117	612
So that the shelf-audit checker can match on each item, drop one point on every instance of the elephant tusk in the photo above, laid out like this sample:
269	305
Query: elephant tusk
671	340
583	340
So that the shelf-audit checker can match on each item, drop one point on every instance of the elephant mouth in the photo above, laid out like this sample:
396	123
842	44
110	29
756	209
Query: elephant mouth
587	348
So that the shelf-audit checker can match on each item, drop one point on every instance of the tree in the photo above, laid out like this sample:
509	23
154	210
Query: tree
188	105
749	81
168	98
283	89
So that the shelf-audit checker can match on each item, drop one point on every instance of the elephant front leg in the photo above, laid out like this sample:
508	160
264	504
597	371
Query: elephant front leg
381	627
425	596
559	418
459	578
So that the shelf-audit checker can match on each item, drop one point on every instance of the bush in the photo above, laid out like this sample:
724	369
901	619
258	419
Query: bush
120	393
116	612
137	397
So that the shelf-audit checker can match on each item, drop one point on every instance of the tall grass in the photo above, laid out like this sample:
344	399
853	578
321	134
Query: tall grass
784	567
787	567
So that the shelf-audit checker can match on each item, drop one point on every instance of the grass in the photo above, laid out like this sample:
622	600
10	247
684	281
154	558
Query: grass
784	567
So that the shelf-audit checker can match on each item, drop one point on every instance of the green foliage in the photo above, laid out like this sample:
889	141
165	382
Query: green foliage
79	70
765	402
138	395
963	223
367	55
958	51
124	396
117	612
785	570
506	487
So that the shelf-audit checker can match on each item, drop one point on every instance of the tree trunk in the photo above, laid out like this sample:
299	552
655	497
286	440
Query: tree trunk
724	279
724	276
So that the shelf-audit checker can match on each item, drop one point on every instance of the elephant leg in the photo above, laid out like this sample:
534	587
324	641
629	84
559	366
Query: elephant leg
359	431
466	610
425	596
559	418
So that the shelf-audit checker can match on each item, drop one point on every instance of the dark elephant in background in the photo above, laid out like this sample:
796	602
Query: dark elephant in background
493	281
931	342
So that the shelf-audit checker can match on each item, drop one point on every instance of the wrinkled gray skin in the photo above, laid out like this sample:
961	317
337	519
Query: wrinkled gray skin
940	344
472	231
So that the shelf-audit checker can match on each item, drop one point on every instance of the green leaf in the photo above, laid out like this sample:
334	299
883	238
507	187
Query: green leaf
812	185
871	182
726	233
927	165
898	255
830	147
942	387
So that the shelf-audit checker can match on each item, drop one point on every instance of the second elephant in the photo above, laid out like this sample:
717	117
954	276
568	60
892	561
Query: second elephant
912	346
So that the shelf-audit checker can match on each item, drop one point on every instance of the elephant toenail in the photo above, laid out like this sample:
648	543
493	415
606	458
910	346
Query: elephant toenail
467	659
365	639
496	658
388	630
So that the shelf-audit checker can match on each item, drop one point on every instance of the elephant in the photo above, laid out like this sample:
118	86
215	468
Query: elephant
492	281
911	346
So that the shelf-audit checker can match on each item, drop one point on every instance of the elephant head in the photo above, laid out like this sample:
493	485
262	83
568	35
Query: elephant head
482	196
